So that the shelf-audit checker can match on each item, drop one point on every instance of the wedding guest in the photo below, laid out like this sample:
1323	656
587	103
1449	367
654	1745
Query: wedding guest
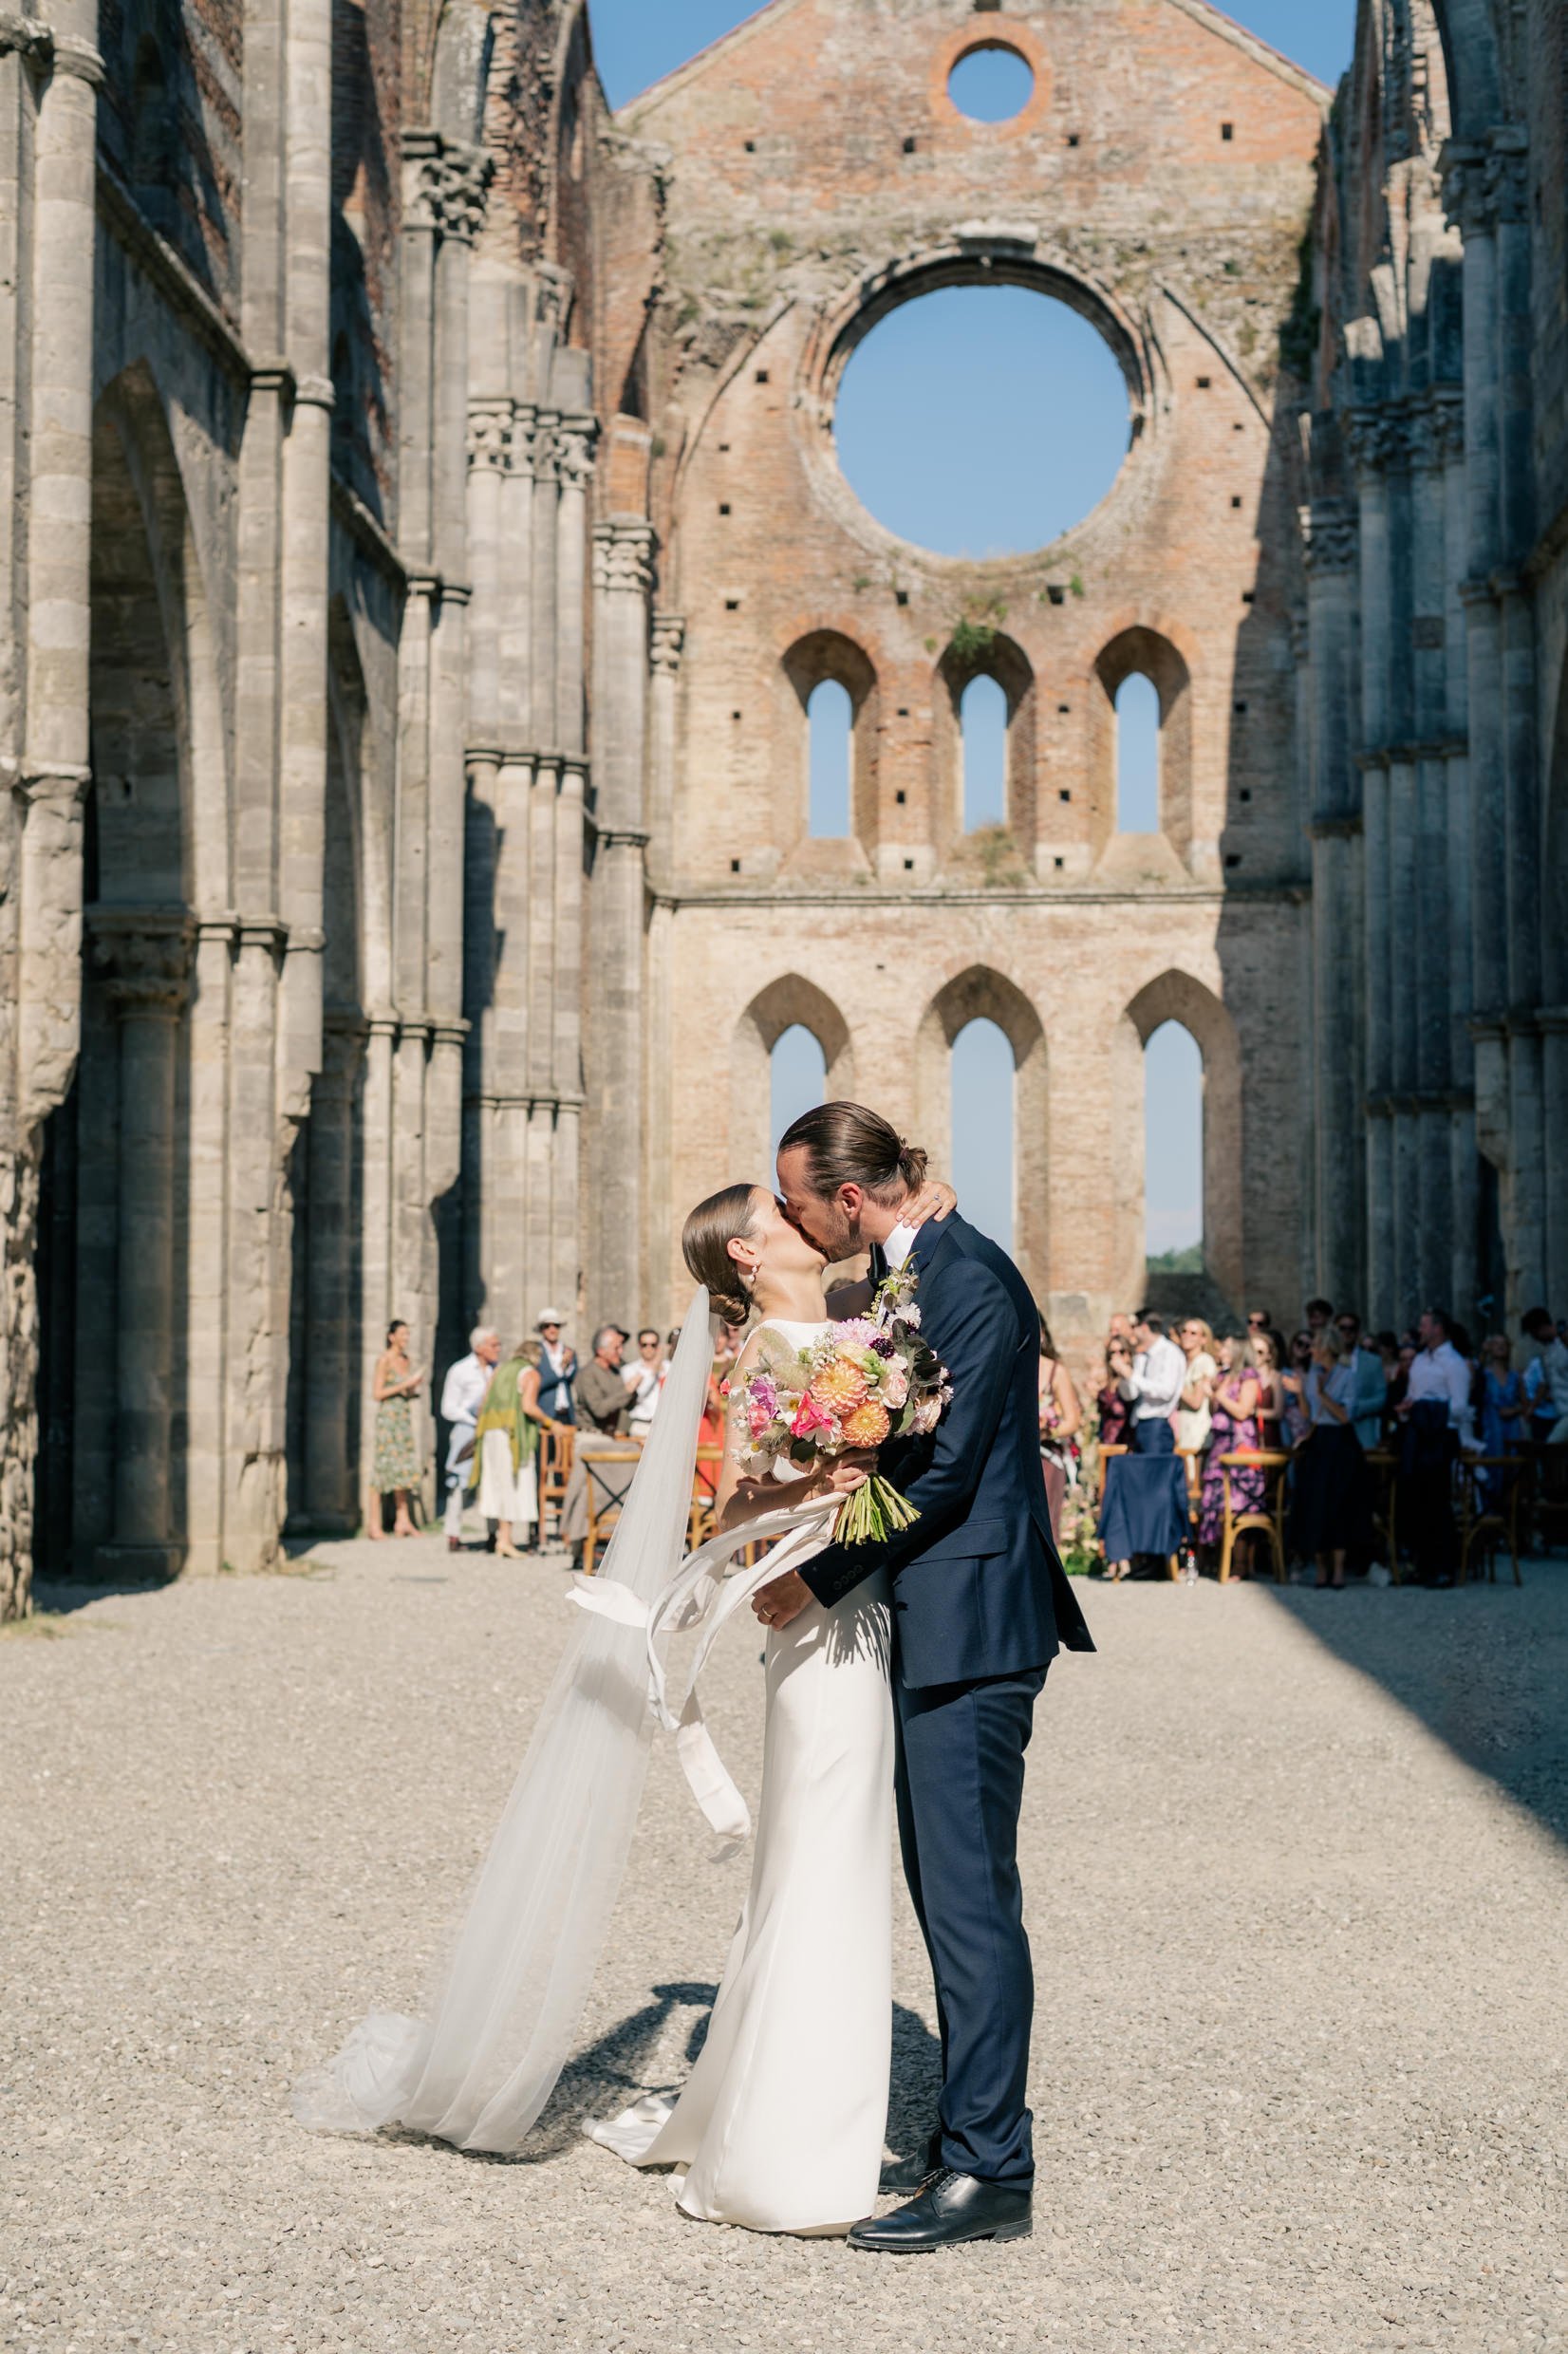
462	1394
507	1449
1196	1342
645	1380
1435	1411
395	1467
1329	1514
1271	1398
1114	1414
1153	1385
1371	1388
602	1384
1317	1313
558	1368
1234	1426
1061	1418
1294	1416
1504	1407
1553	1352
1259	1320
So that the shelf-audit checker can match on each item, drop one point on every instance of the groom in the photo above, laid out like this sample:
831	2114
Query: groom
981	1607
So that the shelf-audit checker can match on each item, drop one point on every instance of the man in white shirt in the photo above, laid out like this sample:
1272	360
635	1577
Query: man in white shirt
645	1380
1154	1385
1441	1372
1553	1350
462	1394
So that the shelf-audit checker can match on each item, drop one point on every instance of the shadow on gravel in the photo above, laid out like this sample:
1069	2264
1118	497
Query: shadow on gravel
613	2071
1483	1666
57	1597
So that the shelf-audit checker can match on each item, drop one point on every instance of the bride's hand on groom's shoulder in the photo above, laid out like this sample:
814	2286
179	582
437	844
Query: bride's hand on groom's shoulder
934	1199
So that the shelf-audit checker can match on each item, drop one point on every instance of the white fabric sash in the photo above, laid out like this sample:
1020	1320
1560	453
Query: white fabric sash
701	1593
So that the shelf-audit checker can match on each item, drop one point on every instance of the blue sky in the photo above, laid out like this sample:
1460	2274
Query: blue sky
1044	383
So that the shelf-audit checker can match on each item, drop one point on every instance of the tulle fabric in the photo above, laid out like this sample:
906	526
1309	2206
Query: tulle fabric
478	2070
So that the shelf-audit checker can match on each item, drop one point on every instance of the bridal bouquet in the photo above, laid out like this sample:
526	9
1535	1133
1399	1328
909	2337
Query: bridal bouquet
865	1381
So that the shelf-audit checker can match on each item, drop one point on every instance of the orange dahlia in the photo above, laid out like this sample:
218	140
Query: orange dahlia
868	1426
840	1386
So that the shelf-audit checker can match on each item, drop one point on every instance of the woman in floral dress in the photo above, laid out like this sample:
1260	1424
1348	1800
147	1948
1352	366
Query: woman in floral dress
1233	1426
394	1460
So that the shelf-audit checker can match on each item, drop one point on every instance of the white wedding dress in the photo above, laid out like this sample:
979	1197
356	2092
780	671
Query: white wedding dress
781	2124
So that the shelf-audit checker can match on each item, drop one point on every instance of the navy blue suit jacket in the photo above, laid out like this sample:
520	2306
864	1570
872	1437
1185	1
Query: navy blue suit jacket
978	1587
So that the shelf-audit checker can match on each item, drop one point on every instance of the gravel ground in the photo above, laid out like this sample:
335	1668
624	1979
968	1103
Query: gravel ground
1297	1891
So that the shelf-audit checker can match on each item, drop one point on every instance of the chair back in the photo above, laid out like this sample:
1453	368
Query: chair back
556	1457
607	1473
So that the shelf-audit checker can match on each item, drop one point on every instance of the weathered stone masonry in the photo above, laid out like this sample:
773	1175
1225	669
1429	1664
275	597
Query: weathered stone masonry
425	533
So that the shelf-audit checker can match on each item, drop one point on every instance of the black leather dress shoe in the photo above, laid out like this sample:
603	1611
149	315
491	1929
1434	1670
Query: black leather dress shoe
913	2174
951	2209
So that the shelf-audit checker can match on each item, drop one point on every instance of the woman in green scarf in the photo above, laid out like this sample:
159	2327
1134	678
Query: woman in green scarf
506	1450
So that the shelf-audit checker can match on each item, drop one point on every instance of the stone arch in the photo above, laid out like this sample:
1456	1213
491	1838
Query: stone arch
790	999
459	71
819	655
984	654
1142	648
1467	30
1174	996
978	993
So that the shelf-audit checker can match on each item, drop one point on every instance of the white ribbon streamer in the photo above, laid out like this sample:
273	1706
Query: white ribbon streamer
703	1593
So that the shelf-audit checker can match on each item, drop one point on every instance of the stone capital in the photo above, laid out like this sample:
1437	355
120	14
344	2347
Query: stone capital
1486	184
552	296
574	440
489	432
467	173
622	555
669	637
1330	529
1377	435
63	785
1436	429
144	955
546	445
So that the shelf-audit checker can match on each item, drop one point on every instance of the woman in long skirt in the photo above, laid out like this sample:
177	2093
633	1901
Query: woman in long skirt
506	1451
1329	1512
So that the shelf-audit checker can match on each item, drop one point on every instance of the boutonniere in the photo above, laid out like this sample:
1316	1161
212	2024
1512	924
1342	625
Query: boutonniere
894	1301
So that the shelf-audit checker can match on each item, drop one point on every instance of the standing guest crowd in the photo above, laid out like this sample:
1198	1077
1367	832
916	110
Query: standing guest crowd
1325	1400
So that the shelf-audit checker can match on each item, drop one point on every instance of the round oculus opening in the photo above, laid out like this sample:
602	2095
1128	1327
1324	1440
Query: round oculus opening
981	421
990	83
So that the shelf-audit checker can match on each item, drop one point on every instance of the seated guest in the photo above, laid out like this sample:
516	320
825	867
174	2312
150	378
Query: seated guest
1152	1385
1552	1350
1196	1342
602	1397
645	1380
1328	1513
1061	1418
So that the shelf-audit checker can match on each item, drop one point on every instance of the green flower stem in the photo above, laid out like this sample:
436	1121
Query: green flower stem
873	1512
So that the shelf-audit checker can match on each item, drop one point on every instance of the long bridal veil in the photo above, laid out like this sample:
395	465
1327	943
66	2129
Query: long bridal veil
478	2070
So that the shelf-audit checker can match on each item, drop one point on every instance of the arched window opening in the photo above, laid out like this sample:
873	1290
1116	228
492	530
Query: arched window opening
798	1077
982	723
982	1085
1173	1150
1137	754
830	721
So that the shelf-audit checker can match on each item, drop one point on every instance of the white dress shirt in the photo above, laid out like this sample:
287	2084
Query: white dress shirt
463	1391
1442	1372
1156	1381
898	1244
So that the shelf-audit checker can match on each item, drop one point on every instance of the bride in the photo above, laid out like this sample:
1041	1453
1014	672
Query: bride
780	2127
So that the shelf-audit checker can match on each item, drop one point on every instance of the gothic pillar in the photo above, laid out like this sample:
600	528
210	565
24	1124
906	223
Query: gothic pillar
145	955
1335	825
623	576
544	607
1374	604
332	1314
1433	929
658	1026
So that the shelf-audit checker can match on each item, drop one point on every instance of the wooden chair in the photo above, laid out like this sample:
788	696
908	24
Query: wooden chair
1271	1521
704	1486
556	1453
1482	1524
608	1472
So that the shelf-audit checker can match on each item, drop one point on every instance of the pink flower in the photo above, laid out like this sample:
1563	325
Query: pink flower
895	1387
811	1419
927	1414
860	1332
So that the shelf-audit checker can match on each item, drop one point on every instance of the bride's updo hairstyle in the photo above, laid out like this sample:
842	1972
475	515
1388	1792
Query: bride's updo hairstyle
714	1224
847	1145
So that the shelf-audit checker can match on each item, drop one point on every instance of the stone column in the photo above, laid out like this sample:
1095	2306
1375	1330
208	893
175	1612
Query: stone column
145	955
1377	951
544	607
659	1024
1335	825
1433	928
622	577
1553	1025
332	1314
568	921
1464	1175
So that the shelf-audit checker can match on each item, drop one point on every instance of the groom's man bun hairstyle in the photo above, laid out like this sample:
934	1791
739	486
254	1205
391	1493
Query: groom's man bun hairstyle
847	1145
723	1218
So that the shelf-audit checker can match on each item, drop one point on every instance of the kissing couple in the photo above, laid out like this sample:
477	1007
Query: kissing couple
903	1665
